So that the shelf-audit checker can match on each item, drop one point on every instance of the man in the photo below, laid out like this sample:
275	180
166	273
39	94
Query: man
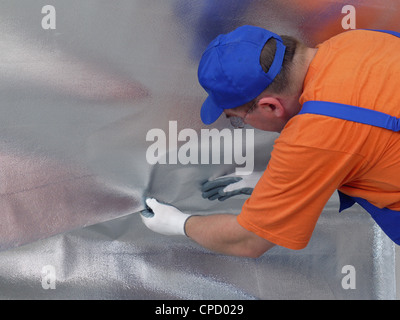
336	107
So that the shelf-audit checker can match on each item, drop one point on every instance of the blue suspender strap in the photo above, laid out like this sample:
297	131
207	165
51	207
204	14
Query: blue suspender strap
352	113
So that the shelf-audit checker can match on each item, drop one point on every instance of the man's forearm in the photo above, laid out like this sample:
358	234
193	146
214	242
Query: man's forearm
222	233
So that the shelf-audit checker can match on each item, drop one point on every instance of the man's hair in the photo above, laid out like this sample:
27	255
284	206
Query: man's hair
282	82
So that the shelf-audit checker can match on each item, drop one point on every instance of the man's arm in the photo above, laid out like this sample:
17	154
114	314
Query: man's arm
220	232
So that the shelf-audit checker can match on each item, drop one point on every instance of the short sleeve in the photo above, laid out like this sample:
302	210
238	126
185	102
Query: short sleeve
290	196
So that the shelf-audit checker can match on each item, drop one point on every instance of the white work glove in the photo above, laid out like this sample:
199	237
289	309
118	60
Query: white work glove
230	185
164	219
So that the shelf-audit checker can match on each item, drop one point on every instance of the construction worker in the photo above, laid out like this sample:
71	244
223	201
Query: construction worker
336	107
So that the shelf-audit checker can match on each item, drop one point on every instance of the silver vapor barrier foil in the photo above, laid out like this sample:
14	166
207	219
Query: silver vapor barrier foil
83	87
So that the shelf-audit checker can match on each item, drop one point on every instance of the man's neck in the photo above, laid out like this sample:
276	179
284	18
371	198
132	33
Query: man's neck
307	58
302	61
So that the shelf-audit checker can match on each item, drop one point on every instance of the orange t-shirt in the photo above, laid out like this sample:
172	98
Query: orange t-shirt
315	155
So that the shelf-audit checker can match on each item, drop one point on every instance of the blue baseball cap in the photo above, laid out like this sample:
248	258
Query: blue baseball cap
230	69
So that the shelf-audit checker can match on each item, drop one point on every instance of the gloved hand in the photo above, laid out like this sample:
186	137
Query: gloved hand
230	185
164	219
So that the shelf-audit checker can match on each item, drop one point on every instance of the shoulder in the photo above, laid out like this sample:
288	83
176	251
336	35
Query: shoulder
318	133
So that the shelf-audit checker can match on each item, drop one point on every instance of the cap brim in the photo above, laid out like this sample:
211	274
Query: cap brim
210	112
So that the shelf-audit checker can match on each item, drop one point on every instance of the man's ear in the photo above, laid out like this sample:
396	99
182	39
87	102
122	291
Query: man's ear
272	104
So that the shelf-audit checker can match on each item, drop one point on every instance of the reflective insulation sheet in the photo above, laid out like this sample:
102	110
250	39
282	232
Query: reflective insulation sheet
83	85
